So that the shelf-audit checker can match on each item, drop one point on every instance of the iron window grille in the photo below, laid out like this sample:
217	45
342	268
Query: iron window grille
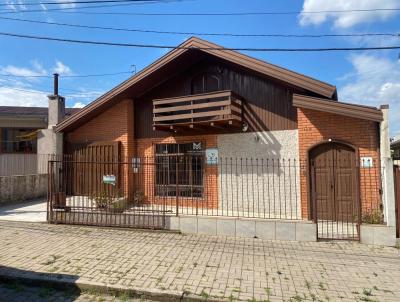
179	170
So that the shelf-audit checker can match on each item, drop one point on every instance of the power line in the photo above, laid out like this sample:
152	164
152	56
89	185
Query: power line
199	33
97	75
67	76
78	2
75	8
200	48
66	10
77	95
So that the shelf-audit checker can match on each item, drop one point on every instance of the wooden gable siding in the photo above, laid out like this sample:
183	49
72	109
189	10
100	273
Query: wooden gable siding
268	103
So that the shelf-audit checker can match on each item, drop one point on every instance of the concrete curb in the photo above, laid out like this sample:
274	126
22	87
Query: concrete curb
61	281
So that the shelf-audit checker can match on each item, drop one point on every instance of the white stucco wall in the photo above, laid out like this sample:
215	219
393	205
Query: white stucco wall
258	174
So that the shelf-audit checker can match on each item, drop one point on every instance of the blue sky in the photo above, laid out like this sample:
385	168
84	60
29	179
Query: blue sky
366	77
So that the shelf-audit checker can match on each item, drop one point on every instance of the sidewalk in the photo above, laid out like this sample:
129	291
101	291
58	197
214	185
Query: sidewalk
222	268
29	211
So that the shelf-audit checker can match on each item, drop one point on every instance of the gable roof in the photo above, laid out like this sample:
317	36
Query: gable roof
346	109
262	67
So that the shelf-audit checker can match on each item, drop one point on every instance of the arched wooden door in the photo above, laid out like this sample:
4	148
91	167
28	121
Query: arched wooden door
335	190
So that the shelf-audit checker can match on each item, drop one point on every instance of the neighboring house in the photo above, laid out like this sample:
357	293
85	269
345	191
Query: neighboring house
395	147
19	127
218	133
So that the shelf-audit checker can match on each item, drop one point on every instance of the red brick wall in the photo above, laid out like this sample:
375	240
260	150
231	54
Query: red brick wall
145	149
114	124
317	126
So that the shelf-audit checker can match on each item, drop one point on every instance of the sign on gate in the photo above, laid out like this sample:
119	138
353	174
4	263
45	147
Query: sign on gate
109	179
212	156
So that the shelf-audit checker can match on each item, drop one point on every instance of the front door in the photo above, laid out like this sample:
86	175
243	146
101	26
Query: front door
334	191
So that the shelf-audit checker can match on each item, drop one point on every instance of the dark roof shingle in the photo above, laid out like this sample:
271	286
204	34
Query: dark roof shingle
30	111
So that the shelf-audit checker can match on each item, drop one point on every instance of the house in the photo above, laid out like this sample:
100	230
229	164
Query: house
23	148
213	133
26	145
19	127
395	147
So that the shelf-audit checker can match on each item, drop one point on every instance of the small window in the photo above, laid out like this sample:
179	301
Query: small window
14	140
179	170
205	82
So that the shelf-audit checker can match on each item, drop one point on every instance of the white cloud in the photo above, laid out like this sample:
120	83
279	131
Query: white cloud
36	70
14	96
17	5
67	5
346	19
374	81
62	69
10	5
78	105
24	91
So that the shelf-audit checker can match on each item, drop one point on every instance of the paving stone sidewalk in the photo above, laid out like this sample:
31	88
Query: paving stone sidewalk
223	268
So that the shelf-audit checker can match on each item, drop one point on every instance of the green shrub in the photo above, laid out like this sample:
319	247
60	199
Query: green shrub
104	201
374	216
101	199
138	197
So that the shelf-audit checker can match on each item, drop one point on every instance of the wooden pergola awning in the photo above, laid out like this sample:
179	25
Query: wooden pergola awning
218	109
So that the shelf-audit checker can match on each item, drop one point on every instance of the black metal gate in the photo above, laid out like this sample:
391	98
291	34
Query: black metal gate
104	193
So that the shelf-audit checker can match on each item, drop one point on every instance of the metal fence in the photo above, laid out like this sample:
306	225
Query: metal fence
24	163
344	194
142	192
396	174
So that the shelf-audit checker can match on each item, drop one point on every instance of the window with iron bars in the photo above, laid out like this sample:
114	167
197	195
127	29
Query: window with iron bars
179	170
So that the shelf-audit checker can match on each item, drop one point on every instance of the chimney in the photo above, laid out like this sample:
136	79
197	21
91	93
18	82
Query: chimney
56	106
55	83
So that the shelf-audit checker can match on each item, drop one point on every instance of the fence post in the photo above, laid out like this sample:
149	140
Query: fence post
49	191
387	168
396	174
176	185
388	192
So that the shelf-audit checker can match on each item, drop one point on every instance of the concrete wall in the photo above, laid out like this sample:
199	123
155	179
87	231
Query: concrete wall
262	179
376	234
267	229
49	142
23	122
23	187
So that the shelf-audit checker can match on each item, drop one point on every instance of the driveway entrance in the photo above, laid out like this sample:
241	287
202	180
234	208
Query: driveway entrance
29	211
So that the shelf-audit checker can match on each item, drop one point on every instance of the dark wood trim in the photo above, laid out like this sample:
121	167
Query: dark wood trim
193	97
190	107
219	106
351	110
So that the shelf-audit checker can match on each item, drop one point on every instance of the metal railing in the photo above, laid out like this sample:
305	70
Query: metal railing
143	191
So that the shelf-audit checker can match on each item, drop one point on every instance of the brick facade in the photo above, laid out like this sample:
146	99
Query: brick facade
317	126
117	124
114	124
